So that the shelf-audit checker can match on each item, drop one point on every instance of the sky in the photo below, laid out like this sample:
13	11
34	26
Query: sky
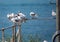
23	1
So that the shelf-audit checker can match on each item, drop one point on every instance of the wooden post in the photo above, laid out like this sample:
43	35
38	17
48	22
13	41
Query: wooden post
58	18
19	33
3	35
14	34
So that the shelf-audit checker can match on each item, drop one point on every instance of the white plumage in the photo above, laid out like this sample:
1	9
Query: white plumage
13	19
5	41
12	14
33	14
53	13
45	41
21	15
8	15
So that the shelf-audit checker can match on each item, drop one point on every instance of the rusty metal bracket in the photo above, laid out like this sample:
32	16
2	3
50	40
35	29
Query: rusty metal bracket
57	33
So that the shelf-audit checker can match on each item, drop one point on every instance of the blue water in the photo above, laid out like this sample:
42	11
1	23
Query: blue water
45	28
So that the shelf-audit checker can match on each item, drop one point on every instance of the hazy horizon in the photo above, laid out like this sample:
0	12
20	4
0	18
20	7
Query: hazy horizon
25	1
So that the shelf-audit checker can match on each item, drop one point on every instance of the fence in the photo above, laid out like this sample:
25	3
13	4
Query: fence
5	35
12	31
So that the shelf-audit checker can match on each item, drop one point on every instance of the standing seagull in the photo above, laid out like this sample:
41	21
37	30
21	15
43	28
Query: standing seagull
22	17
33	15
10	16
53	13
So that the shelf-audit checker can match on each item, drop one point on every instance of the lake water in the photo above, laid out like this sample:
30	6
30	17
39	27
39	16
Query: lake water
44	28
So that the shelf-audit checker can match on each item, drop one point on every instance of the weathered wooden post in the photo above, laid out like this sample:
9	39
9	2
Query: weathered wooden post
14	33
57	34
3	40
19	33
58	17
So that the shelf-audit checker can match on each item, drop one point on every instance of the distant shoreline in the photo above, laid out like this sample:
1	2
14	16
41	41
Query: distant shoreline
26	4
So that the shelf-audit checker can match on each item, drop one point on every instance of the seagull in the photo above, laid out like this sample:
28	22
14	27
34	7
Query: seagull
22	17
5	41
13	19
21	14
10	16
45	41
53	13
33	14
19	17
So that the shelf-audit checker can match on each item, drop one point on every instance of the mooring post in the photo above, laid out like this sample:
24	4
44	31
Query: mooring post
19	33
3	40
58	18
14	33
